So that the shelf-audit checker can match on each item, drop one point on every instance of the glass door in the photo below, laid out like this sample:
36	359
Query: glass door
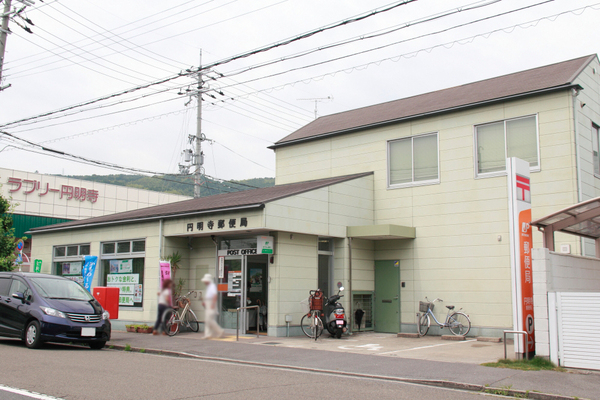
231	292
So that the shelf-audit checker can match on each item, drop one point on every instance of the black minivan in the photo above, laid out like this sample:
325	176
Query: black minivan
41	308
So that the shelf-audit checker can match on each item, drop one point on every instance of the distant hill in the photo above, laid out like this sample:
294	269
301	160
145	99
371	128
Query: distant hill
177	184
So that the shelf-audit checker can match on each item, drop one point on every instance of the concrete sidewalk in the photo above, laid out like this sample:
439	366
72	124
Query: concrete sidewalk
453	364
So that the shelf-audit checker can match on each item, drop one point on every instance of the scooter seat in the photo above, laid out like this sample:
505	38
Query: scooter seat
450	307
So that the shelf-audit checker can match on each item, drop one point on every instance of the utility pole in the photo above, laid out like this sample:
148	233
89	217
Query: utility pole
22	21
199	156
317	100
3	36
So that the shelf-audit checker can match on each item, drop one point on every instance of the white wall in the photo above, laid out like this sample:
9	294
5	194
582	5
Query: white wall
111	198
554	272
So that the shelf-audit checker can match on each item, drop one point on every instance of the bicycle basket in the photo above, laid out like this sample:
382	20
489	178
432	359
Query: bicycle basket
316	301
305	306
424	306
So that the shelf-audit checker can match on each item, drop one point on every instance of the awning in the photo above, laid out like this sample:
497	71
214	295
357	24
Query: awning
381	232
582	219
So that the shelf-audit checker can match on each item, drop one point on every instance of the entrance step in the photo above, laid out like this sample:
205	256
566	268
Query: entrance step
409	335
452	337
489	339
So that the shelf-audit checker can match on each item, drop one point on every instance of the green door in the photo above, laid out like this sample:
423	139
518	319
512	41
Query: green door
387	295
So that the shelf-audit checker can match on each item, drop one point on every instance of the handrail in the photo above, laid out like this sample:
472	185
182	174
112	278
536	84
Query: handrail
237	325
526	344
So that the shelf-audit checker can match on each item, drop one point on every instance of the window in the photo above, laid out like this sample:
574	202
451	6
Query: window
68	261
497	141
596	148
413	160
325	270
19	287
122	265
4	286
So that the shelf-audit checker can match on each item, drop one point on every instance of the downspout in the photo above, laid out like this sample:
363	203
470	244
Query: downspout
574	94
160	239
351	314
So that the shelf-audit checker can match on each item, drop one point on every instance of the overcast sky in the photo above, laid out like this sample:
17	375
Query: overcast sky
81	50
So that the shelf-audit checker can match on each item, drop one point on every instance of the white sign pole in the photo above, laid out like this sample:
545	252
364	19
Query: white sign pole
519	209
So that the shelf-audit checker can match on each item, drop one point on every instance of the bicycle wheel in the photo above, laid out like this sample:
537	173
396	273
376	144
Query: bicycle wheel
171	322
423	324
307	324
459	324
318	327
191	321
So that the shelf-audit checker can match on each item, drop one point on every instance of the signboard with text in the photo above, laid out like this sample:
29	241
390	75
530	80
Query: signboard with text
519	208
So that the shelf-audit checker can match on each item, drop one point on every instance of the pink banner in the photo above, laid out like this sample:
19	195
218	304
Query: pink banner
165	271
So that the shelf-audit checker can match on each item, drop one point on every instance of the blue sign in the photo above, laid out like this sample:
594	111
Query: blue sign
89	267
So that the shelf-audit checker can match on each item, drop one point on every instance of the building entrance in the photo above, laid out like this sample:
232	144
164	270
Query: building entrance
243	282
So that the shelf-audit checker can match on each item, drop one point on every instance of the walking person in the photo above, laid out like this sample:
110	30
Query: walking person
210	301
165	302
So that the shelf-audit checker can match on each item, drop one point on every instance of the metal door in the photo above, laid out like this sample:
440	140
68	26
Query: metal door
579	329
387	296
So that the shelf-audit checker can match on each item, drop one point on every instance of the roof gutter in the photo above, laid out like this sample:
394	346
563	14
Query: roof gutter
427	114
133	220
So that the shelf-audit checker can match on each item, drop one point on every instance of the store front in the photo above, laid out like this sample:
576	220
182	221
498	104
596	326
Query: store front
243	281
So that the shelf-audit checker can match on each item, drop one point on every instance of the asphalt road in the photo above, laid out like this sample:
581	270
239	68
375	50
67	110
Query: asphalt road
74	373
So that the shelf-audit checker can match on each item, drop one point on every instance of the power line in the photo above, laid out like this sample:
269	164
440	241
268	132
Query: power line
161	13
244	157
224	61
389	44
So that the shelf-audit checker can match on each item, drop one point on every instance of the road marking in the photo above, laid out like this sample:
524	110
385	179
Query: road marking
27	393
368	346
426	347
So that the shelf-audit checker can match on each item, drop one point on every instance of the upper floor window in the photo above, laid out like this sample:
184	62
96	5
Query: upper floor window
595	148
413	161
497	141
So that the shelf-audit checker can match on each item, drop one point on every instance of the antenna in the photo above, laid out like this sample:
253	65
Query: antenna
318	100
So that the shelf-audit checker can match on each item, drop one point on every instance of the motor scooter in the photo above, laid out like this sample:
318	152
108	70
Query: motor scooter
335	315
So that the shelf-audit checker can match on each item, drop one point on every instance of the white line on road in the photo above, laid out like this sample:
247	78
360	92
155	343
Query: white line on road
27	393
426	347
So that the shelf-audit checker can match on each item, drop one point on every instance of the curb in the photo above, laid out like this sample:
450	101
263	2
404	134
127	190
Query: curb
425	382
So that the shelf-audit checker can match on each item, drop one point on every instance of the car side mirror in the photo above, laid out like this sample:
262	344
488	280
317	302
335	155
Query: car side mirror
19	296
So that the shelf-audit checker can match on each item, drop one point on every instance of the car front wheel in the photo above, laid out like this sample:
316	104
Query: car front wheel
97	345
32	335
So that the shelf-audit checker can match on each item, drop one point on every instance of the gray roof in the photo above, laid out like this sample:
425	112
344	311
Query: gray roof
254	198
550	77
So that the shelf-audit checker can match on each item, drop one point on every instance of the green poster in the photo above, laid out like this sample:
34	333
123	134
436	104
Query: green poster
37	266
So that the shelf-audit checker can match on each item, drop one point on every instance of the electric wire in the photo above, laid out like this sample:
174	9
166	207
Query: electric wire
223	61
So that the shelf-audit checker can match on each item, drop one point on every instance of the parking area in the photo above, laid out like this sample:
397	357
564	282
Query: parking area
431	348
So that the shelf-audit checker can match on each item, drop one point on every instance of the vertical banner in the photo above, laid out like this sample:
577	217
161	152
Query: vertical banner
89	267
165	271
519	208
37	266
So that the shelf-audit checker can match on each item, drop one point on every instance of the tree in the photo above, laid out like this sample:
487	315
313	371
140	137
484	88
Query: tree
7	235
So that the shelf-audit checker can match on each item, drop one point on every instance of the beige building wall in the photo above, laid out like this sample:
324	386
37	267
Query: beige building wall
587	107
457	254
44	243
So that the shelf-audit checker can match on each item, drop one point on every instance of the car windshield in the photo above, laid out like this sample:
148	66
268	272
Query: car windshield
60	289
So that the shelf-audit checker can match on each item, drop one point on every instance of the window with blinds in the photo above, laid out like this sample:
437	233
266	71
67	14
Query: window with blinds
413	160
497	141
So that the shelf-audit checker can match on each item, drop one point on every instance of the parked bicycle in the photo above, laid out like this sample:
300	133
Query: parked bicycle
458	322
181	315
311	322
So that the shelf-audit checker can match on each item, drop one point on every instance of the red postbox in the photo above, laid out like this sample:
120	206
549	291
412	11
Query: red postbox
108	297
